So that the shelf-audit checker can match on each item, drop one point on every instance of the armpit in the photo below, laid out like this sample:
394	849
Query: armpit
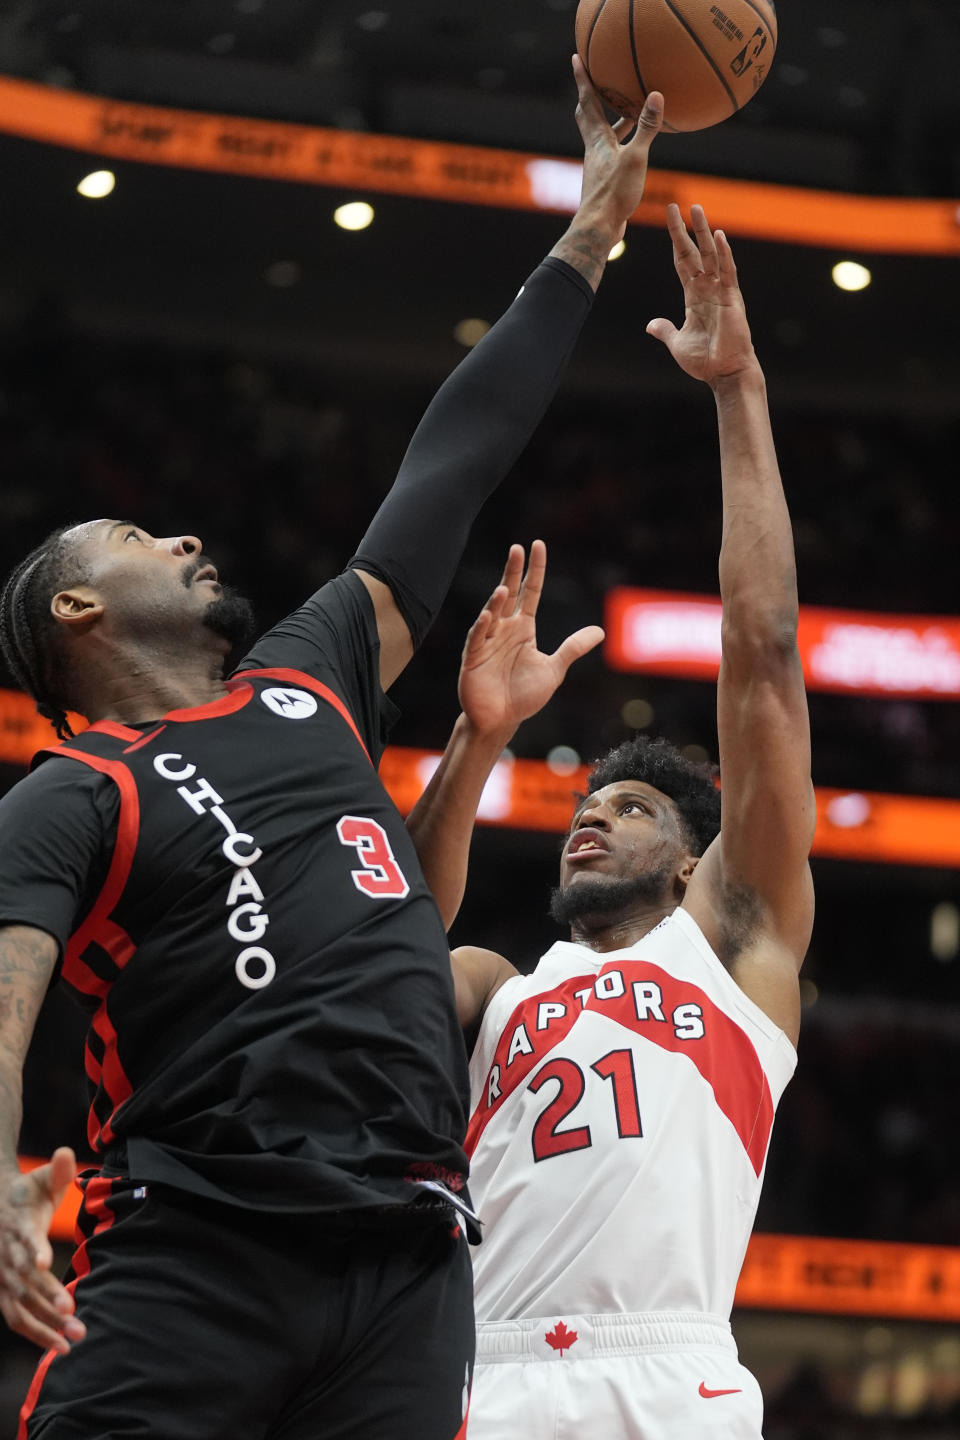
742	916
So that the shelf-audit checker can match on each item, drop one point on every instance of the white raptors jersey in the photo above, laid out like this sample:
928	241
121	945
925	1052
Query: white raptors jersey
622	1108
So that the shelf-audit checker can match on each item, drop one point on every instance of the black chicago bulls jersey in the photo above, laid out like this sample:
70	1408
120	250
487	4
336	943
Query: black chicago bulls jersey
272	1007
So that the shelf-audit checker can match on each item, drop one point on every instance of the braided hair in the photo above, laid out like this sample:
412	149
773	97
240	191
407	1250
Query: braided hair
28	632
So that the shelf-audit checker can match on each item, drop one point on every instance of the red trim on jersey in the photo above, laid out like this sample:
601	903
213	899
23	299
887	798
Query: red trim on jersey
101	928
307	682
237	696
724	1055
145	739
108	727
113	1078
95	1197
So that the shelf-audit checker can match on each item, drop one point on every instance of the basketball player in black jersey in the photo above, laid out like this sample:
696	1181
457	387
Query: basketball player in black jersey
270	1246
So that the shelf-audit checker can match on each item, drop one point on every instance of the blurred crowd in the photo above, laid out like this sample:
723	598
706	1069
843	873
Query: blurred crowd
278	469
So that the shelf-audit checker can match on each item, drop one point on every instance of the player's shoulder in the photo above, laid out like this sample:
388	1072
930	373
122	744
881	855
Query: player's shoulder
59	787
323	624
480	974
478	958
58	772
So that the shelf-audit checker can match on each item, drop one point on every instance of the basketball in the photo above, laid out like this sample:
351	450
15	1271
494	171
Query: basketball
706	58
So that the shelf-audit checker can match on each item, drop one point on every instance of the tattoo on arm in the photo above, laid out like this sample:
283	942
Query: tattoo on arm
27	959
587	250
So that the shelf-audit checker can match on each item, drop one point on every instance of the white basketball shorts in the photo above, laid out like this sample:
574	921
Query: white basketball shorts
612	1377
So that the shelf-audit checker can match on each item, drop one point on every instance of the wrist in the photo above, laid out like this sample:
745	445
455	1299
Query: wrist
748	378
600	217
488	739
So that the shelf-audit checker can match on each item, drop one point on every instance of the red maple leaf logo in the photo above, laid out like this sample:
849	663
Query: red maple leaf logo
560	1338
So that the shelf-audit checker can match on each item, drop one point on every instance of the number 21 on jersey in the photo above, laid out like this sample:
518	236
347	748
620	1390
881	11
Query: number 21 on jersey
380	876
617	1067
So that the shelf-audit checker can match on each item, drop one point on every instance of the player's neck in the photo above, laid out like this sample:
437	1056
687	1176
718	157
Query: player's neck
621	931
145	687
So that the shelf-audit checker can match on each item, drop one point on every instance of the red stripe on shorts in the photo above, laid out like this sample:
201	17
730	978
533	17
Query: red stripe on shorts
95	1198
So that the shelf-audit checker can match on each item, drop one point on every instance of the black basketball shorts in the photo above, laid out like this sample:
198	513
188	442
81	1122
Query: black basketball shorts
208	1322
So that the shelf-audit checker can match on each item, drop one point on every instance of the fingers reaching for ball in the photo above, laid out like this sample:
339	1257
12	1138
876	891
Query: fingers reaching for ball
714	342
706	245
592	117
686	256
706	253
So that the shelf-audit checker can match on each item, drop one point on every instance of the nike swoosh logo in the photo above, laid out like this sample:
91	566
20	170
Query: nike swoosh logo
712	1394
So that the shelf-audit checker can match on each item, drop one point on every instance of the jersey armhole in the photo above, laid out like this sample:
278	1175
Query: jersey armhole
499	1008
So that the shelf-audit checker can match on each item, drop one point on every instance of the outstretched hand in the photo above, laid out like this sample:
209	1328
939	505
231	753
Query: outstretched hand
715	338
504	678
32	1300
614	167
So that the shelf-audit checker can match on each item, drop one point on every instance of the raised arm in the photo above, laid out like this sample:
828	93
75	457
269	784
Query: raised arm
32	1300
752	893
486	411
504	679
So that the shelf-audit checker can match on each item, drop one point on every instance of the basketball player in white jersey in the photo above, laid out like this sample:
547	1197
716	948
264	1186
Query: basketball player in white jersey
623	1094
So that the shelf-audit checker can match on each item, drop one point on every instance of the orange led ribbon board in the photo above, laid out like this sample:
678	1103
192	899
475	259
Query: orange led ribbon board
468	174
851	1277
528	795
851	825
854	652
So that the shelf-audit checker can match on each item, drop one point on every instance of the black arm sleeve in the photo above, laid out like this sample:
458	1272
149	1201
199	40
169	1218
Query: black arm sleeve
470	436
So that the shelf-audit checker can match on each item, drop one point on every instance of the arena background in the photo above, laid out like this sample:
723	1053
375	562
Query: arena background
209	352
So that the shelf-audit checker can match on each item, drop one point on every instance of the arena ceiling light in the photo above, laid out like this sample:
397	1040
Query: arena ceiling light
617	250
97	184
470	332
849	275
355	215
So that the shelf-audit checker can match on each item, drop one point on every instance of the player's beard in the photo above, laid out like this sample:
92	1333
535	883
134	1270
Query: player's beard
231	617
596	900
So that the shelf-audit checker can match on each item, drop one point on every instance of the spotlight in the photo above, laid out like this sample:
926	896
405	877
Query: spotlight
355	215
848	275
97	184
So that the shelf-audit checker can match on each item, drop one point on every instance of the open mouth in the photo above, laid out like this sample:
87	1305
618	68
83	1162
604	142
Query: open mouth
207	573
587	842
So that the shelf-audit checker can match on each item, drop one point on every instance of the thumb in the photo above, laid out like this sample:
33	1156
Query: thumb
580	643
51	1181
62	1172
662	329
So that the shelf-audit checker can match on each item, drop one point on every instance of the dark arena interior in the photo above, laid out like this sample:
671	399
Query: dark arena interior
205	350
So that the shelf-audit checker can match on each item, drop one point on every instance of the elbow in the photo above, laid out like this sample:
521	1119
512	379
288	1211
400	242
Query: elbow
766	642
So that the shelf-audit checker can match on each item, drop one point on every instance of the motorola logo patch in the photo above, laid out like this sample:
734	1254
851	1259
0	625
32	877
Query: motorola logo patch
290	704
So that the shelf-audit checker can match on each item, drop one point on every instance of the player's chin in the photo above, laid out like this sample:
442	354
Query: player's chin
229	615
573	871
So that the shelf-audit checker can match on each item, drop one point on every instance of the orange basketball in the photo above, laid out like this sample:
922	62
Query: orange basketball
706	58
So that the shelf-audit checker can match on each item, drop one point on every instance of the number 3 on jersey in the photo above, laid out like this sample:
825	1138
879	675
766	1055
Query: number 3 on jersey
381	877
617	1067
